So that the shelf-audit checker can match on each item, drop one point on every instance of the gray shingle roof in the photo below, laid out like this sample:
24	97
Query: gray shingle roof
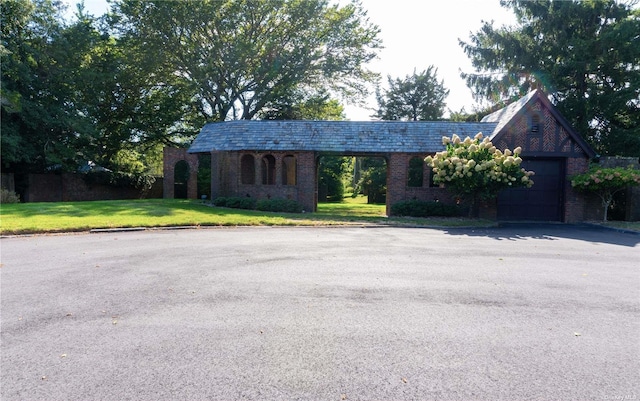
333	136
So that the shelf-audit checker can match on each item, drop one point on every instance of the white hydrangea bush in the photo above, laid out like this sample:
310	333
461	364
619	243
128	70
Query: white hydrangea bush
475	170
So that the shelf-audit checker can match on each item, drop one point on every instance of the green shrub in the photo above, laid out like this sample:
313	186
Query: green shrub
418	208
265	205
241	203
220	201
279	205
7	196
235	202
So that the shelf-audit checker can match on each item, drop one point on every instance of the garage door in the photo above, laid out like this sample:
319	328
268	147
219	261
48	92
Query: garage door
543	201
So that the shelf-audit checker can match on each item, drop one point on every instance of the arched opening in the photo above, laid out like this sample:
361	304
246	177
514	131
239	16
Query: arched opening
415	176
268	170
248	170
289	170
180	180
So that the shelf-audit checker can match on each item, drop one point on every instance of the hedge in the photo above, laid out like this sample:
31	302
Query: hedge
265	205
418	208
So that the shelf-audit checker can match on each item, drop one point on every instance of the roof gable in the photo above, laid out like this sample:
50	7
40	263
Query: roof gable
506	116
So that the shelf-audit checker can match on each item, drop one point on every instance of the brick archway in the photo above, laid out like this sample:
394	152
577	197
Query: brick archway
171	156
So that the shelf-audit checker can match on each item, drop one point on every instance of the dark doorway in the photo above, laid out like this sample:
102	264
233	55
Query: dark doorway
543	201
181	179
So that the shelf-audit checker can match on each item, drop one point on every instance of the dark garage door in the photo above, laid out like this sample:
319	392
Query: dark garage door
541	202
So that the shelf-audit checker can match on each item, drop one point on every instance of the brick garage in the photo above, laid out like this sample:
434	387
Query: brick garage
279	159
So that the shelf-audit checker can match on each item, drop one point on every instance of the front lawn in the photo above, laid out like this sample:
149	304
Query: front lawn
48	217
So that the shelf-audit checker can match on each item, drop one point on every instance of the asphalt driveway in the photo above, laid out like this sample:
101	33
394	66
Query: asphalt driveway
545	312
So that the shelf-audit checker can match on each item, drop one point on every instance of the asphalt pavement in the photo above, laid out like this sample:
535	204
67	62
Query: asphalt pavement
524	312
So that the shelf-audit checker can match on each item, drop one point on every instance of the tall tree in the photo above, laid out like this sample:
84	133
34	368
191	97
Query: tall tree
41	57
236	57
70	93
585	54
419	96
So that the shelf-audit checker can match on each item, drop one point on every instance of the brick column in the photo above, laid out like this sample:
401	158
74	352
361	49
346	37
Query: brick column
170	157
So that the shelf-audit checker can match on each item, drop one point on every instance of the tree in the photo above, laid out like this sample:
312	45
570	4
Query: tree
131	109
304	106
234	58
331	173
606	182
416	97
373	179
41	56
585	54
475	170
72	94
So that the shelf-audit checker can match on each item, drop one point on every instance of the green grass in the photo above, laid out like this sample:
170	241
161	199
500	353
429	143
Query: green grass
45	217
627	225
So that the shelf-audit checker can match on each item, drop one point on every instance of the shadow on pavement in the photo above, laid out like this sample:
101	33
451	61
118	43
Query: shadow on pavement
552	232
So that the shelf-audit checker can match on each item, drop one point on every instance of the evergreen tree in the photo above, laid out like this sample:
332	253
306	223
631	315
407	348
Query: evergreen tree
585	54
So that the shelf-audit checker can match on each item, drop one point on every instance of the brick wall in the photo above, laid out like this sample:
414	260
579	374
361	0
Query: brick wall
575	202
226	177
70	187
398	188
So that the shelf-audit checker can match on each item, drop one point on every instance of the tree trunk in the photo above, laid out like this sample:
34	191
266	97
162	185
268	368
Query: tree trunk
474	207
606	202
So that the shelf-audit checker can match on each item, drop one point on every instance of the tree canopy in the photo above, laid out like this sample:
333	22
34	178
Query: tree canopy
585	54
419	96
113	90
237	57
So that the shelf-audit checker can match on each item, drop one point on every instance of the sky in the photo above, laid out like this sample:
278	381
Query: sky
415	34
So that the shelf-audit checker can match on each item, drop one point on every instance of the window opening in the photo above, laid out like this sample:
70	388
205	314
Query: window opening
247	170
535	124
416	172
268	170
289	170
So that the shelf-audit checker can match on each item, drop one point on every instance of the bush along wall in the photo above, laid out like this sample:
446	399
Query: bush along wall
418	208
265	205
279	205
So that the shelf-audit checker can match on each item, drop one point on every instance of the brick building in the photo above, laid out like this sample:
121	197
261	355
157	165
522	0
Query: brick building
279	159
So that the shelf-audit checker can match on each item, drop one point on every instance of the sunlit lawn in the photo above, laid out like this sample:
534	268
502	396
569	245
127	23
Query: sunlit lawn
352	208
82	216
